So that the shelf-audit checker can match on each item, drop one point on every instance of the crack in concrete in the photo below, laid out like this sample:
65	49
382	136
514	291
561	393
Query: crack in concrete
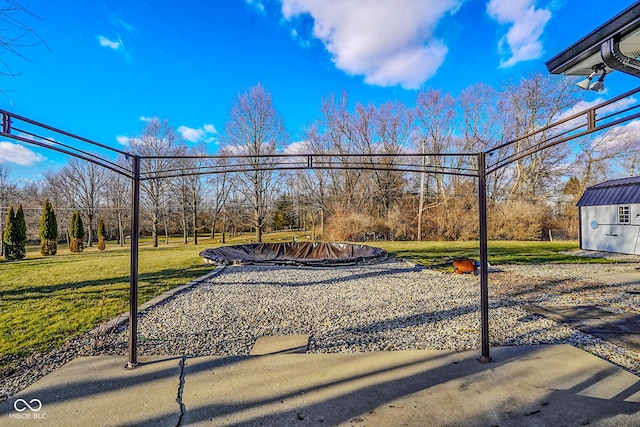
183	409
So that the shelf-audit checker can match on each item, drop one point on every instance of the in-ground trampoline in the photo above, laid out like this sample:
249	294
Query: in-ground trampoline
295	253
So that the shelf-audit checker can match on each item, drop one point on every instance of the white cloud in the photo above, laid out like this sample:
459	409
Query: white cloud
43	140
18	154
618	138
257	4
527	24
582	105
299	147
207	133
123	139
148	119
615	139
115	45
388	42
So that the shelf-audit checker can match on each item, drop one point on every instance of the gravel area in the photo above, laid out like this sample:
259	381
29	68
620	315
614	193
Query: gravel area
388	306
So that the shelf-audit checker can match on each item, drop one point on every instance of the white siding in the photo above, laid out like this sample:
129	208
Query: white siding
600	230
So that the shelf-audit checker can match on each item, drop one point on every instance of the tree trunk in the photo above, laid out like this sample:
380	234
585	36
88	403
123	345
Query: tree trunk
194	218
120	229
213	228
154	228
185	232
259	234
90	231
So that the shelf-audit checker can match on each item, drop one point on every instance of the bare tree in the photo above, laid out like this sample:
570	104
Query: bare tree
83	184
602	155
158	139
188	189
313	183
118	197
483	127
393	125
536	101
255	129
435	112
220	185
16	34
339	137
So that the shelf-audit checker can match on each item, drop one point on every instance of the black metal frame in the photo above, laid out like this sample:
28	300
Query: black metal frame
564	130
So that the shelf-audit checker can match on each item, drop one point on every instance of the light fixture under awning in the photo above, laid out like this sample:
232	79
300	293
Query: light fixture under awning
620	34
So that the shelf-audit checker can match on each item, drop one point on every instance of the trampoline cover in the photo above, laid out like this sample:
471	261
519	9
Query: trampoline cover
294	253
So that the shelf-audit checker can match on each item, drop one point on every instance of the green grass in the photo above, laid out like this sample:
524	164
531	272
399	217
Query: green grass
44	301
499	252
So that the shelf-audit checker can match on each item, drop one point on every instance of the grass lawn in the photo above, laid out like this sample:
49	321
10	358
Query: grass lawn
500	252
44	301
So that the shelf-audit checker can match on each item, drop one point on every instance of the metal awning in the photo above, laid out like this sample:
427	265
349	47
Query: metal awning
616	44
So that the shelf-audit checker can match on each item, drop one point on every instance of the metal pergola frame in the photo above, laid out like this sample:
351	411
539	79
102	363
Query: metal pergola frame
569	128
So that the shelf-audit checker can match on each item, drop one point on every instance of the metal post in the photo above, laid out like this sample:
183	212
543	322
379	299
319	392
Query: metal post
591	119
484	274
133	272
6	123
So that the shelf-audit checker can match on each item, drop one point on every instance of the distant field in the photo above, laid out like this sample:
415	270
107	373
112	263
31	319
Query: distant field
44	301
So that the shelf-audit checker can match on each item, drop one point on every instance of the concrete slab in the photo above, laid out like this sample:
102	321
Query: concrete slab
280	344
543	385
99	391
626	278
524	386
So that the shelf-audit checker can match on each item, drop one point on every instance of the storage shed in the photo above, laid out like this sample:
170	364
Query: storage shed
610	216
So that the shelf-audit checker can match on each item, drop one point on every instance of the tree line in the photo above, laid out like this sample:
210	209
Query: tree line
526	200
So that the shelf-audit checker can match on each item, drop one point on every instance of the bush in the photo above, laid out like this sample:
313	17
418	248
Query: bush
15	234
20	249
516	220
8	234
348	226
48	230
76	233
102	245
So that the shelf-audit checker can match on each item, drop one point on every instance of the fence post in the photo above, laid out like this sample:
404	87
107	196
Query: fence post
484	274
133	272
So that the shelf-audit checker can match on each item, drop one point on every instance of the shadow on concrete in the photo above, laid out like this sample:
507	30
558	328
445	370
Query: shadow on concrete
622	329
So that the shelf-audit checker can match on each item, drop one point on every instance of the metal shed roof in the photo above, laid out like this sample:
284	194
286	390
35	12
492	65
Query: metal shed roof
614	192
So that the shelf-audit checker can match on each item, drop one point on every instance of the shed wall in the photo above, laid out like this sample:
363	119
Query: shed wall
600	231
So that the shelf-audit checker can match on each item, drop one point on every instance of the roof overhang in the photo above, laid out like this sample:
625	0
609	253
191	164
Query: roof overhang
615	44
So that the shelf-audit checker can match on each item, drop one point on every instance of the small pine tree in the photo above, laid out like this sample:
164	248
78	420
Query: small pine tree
20	250
9	233
76	233
48	230
102	245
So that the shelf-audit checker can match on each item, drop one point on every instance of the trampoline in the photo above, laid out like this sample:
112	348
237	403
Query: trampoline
295	253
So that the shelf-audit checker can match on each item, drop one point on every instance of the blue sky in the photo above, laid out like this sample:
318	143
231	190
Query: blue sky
98	69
